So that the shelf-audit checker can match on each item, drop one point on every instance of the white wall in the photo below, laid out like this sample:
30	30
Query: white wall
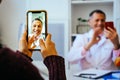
84	10
116	15
57	9
12	14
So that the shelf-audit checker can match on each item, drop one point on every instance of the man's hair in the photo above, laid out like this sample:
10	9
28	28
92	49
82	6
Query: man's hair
0	1
38	20
97	11
0	45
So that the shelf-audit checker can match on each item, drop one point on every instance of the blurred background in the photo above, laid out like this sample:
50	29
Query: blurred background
66	19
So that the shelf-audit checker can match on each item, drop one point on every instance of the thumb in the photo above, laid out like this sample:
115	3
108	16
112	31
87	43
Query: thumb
24	35
48	38
42	44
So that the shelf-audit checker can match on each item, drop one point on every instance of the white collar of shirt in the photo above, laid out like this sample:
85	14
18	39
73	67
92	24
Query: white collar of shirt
103	38
37	36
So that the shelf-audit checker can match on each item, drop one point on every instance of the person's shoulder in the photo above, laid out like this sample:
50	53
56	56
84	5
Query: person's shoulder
5	49
9	53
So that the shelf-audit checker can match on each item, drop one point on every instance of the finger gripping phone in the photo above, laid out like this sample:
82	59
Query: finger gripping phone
36	28
109	24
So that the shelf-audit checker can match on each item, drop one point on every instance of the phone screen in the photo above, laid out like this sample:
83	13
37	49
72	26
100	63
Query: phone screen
109	24
36	28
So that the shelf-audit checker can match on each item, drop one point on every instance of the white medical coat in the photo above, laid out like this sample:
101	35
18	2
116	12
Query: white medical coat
100	55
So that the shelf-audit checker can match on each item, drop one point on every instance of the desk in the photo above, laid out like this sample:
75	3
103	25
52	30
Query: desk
70	76
114	76
107	77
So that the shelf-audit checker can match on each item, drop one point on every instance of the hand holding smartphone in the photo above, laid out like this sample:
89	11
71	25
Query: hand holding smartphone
37	28
109	24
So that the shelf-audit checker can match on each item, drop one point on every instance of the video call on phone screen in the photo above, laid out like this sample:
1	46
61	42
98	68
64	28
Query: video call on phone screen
33	27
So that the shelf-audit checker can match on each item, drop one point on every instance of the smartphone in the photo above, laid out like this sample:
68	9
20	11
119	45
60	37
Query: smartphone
109	24
36	28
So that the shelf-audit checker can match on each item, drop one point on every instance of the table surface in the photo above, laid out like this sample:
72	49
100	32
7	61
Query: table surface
106	77
114	75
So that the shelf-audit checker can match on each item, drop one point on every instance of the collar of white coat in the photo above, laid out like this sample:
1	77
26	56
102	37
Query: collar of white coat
102	36
90	34
37	36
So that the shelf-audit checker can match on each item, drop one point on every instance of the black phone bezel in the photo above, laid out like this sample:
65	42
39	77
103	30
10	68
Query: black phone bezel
37	11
